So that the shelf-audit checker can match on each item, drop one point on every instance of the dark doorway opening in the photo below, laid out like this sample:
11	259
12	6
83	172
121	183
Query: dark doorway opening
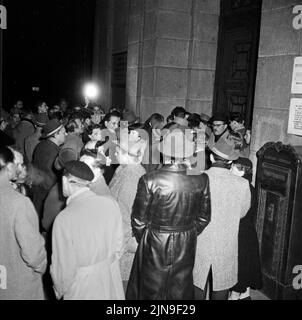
237	56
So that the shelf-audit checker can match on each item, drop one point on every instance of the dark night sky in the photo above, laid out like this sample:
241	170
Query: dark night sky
48	44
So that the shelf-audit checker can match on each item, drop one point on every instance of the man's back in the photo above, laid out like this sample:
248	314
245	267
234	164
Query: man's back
217	246
21	246
87	239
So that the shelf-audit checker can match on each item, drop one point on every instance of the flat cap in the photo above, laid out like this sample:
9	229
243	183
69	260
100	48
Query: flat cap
79	169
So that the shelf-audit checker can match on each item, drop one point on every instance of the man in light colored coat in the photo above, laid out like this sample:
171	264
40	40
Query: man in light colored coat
22	252
217	246
87	241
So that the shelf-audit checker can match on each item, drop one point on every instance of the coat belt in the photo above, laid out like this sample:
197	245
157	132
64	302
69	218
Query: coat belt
166	229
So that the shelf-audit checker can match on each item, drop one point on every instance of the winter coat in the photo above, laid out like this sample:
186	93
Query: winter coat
87	242
123	187
170	209
22	250
217	246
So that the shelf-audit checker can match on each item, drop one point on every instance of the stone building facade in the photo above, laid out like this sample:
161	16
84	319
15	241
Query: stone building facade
166	56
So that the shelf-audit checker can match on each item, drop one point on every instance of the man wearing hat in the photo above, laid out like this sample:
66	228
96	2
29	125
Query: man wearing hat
44	158
130	117
219	124
87	241
170	209
217	246
33	140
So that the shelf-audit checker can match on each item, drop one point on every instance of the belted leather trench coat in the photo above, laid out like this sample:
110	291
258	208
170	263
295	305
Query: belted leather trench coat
170	209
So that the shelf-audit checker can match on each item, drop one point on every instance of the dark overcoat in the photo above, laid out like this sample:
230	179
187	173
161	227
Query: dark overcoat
170	209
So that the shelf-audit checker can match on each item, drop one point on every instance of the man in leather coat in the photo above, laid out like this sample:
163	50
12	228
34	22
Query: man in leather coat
170	209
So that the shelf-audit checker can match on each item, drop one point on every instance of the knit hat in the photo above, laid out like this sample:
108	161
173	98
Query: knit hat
79	169
51	128
224	148
176	144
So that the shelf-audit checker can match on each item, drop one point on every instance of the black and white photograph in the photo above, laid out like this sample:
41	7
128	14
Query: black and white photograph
151	153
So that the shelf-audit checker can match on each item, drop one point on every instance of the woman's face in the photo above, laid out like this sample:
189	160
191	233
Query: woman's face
96	135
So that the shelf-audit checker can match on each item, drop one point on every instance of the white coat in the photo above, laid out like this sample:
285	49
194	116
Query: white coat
87	241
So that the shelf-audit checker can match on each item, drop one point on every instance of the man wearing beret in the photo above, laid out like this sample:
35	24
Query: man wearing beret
87	241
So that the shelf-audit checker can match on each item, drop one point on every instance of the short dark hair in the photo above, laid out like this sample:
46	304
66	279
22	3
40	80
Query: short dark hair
91	128
110	115
236	116
179	112
6	157
72	125
38	104
194	120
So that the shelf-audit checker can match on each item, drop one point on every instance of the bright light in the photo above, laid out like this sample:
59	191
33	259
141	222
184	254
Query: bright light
91	91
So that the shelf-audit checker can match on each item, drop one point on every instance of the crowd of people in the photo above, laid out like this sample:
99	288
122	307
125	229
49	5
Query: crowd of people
97	205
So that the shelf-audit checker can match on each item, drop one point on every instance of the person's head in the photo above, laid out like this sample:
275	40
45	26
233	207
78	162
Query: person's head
194	121
170	119
219	123
95	161
179	112
156	121
27	114
243	167
135	131
63	105
111	122
55	131
15	118
8	167
75	125
177	146
130	117
236	121
94	133
223	152
20	168
18	104
77	175
41	107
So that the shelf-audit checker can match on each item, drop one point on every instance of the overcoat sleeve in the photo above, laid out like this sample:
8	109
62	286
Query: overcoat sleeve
204	216
247	200
63	267
139	218
31	242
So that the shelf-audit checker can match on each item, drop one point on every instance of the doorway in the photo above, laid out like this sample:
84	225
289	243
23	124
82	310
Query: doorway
237	56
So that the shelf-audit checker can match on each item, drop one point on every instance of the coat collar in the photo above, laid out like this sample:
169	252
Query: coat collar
5	183
175	167
76	195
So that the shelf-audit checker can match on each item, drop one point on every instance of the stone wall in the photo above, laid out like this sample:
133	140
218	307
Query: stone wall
171	55
111	36
280	43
